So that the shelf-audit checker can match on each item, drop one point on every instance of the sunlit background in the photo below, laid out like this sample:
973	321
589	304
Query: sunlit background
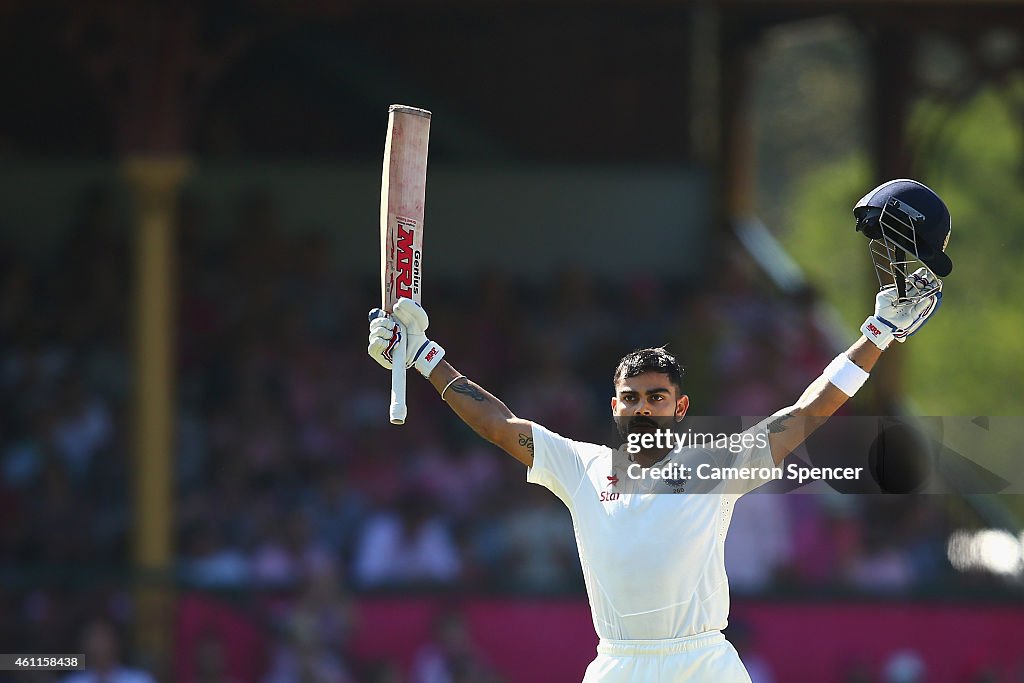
198	480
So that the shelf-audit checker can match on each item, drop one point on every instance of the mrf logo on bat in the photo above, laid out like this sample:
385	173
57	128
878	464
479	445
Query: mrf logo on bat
406	259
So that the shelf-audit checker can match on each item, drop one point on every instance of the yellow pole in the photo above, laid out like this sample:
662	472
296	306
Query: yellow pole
155	182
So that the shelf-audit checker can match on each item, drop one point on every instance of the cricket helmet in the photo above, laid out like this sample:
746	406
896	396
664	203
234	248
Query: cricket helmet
907	222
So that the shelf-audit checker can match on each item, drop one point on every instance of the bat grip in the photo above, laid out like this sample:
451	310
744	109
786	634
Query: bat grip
398	410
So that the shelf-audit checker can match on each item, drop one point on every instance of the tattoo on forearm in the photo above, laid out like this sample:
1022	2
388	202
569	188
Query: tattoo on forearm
468	389
526	441
779	424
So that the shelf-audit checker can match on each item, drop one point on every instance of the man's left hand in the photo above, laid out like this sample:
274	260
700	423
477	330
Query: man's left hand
898	320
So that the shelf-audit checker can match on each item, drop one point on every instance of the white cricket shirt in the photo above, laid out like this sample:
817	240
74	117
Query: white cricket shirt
653	560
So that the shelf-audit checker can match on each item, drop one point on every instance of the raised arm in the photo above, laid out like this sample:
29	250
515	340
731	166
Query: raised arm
821	399
847	373
485	414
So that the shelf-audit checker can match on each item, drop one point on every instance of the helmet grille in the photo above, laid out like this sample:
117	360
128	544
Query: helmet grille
895	253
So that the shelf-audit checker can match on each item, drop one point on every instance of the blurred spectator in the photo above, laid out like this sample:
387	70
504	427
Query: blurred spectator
541	554
905	666
213	563
552	394
313	634
324	606
335	507
807	341
826	537
450	656
301	655
210	666
100	646
886	569
758	547
82	428
290	554
457	479
408	547
884	562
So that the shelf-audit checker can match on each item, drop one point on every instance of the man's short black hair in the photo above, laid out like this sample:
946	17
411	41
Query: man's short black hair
650	360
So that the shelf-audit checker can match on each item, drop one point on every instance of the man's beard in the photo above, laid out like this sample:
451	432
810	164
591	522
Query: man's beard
639	424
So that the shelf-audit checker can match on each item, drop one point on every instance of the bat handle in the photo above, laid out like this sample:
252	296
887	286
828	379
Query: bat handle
398	410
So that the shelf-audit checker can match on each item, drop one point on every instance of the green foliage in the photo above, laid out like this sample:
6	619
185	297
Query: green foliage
822	239
969	359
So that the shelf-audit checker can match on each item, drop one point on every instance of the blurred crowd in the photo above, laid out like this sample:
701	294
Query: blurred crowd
289	477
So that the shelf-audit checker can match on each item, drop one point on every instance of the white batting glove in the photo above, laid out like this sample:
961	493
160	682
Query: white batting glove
420	352
893	320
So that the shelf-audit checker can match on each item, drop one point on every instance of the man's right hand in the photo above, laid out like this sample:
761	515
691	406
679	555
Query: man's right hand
384	334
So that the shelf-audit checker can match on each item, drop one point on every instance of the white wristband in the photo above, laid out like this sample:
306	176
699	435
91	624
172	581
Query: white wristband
845	375
428	356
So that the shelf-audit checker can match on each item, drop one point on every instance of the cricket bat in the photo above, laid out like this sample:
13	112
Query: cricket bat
402	194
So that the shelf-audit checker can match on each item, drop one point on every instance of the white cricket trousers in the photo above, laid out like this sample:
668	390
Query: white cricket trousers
702	658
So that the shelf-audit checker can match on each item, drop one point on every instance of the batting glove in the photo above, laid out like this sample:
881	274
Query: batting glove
899	320
385	334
